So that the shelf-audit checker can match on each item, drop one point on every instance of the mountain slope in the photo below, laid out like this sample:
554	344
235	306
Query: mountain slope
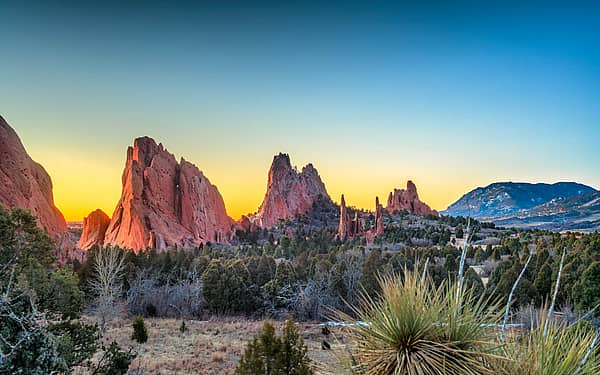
508	198
577	213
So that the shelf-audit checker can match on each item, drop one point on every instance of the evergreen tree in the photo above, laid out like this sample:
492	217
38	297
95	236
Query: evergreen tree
140	334
268	354
586	291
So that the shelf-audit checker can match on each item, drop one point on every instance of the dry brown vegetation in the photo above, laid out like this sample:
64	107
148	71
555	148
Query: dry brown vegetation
210	347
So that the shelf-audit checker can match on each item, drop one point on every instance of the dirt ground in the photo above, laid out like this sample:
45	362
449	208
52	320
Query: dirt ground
214	346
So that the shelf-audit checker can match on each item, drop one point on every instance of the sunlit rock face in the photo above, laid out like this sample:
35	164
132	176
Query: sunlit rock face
25	184
289	192
408	199
94	229
165	204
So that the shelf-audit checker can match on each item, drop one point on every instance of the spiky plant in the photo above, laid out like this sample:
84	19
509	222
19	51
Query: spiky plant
561	350
412	327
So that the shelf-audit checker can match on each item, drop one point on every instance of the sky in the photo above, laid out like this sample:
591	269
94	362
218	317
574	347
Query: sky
452	95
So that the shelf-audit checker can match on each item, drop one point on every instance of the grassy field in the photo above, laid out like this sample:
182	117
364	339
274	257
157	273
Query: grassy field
213	346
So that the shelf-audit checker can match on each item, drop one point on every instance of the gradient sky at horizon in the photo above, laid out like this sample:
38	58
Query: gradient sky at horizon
452	96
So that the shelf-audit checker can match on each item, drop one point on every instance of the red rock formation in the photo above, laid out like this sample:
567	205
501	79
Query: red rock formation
343	227
94	228
356	228
165	204
349	228
289	193
25	184
408	200
378	225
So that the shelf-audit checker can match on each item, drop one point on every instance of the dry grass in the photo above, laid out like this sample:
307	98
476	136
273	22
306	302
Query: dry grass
207	347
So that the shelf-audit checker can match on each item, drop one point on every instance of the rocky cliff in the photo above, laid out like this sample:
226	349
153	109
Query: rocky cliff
289	192
25	184
408	199
164	203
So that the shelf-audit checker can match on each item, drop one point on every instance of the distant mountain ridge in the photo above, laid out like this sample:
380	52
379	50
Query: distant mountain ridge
576	213
555	206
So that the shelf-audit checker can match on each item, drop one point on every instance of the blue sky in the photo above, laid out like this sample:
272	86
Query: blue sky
452	96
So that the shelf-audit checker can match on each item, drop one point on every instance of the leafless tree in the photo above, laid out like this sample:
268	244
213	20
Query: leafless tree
352	274
556	286
107	284
510	297
313	298
180	298
463	256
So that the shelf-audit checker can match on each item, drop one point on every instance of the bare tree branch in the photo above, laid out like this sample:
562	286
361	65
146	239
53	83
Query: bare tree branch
463	257
551	309
510	297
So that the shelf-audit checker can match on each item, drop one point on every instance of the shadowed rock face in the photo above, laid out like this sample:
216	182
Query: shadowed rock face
94	228
25	184
401	199
289	193
165	204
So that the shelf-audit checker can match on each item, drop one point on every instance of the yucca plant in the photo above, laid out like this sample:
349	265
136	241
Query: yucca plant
560	350
412	327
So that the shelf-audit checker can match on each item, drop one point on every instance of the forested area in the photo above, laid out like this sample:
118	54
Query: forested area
53	316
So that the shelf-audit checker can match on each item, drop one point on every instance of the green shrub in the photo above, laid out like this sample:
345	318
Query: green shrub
140	334
268	354
114	361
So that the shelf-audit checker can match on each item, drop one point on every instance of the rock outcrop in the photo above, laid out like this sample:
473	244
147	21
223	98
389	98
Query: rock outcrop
26	184
408	199
165	204
94	229
289	193
356	227
343	226
378	226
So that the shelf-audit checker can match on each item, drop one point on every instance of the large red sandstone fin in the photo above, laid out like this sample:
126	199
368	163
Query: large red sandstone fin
165	204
